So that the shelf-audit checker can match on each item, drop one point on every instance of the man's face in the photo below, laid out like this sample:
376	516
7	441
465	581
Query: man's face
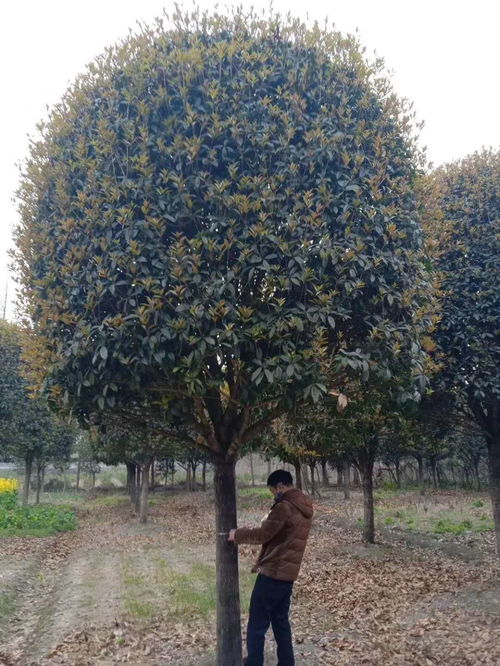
275	490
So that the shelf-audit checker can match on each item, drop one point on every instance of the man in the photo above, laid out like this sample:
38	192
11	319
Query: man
283	535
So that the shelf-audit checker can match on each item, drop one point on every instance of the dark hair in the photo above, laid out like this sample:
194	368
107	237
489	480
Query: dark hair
280	476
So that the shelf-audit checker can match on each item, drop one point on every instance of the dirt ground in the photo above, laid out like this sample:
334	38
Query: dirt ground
116	591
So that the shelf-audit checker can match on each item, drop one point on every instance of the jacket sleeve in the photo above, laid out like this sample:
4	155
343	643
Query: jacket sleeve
274	522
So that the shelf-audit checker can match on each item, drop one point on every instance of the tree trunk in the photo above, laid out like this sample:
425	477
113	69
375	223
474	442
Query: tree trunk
493	441
137	498
39	482
432	464
204	475
269	468
340	476
298	475
476	474
346	473
397	465
193	476
153	481
131	481
421	481
367	460
324	470
28	466
251	471
93	481
78	472
356	482
143	509
189	485
313	483
228	595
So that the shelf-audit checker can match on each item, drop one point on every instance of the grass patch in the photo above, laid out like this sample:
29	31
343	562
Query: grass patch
436	518
140	609
110	501
258	491
194	593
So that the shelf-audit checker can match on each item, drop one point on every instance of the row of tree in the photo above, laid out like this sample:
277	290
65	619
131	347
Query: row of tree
225	220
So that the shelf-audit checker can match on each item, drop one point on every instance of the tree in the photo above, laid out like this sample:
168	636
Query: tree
468	192
213	208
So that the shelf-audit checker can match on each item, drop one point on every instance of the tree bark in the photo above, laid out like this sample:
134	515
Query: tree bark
421	481
367	460
397	465
324	470
251	471
298	475
153	480
493	441
143	513
28	467
228	595
346	473
137	498
39	482
204	475
131	481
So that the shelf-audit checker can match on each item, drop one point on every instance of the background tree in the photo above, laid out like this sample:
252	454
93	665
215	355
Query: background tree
212	208
468	193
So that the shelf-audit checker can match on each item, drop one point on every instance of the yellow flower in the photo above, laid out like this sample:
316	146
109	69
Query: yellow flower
8	485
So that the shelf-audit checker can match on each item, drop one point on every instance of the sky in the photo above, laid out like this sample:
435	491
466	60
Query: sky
444	55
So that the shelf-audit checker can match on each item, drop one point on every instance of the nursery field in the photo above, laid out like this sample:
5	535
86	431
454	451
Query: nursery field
114	591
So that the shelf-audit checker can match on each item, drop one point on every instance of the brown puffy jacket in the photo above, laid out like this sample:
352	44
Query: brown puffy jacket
283	535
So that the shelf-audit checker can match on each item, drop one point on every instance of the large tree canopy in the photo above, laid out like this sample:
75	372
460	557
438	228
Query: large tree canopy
469	332
202	201
217	207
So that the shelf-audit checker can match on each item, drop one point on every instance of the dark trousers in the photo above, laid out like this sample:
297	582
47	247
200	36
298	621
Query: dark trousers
269	605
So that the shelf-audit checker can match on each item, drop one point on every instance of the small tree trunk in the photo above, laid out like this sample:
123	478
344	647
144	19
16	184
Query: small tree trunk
397	465
356	481
28	466
93	480
347	481
476	474
193	476
228	596
131	478
366	460
493	441
153	481
340	476
188	478
138	488
313	483
251	471
269	467
39	481
324	470
298	475
78	472
204	475
173	477
434	475
143	512
421	480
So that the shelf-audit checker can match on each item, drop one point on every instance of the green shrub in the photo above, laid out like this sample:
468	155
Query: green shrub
478	504
43	519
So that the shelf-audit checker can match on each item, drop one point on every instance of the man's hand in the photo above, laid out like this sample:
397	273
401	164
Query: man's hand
231	535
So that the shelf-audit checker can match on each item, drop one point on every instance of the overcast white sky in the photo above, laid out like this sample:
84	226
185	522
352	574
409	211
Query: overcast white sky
445	56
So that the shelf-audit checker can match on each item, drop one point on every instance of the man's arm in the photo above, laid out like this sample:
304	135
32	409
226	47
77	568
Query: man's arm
270	526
